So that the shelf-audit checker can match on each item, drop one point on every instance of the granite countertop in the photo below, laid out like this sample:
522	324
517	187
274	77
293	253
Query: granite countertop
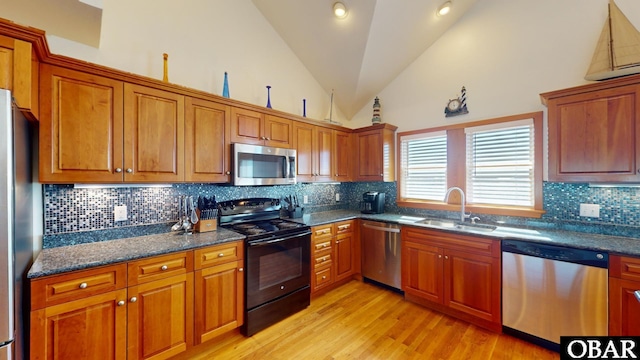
611	244
76	257
82	256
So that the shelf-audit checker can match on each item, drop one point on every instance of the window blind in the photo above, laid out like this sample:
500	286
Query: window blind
500	162
423	163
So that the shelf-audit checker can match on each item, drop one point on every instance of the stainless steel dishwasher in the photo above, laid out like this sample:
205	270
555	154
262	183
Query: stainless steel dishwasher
551	291
381	252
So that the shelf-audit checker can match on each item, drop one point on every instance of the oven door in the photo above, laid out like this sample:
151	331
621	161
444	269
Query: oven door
277	267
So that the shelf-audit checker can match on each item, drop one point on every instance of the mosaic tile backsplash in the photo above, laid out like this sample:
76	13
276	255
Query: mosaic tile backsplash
71	210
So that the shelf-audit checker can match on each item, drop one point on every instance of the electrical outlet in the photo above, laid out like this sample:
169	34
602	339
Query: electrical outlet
305	199
120	213
590	210
337	197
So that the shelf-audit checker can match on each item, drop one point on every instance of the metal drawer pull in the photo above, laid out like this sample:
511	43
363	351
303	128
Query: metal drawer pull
343	227
164	267
133	299
241	269
637	294
221	255
121	303
324	277
83	285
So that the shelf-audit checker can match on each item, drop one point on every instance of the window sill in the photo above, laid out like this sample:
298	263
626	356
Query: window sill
476	209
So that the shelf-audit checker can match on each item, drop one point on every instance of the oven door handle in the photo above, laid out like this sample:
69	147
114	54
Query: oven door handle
277	240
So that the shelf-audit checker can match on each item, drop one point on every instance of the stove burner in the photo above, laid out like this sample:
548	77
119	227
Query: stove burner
287	225
255	231
244	227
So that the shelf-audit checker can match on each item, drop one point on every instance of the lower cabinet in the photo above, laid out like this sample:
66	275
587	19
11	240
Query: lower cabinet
452	273
140	310
624	306
335	255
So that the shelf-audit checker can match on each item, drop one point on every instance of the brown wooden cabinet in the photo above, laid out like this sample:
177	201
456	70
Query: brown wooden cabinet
79	315
315	149
207	139
342	156
219	290
375	153
624	306
594	132
19	73
253	127
456	274
82	314
334	255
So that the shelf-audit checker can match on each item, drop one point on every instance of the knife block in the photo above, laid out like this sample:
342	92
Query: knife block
296	213
205	225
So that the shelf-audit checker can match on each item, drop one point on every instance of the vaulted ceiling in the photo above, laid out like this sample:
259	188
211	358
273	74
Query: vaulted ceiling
357	56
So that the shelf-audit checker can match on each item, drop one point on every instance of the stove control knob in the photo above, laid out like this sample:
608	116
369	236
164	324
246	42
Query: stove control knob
232	207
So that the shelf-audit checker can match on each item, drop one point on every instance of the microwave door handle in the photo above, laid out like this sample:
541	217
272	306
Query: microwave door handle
287	167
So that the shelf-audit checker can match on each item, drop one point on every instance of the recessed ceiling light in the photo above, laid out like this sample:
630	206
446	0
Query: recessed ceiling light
340	10
444	8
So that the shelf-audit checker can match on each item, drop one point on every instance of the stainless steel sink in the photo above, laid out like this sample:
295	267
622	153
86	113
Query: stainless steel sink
447	224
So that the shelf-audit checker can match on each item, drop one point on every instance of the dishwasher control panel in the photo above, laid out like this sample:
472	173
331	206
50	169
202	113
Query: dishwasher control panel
554	252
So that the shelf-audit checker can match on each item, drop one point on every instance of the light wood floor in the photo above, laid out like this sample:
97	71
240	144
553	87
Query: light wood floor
363	321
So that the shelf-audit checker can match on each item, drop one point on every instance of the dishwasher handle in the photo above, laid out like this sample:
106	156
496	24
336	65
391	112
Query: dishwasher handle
381	228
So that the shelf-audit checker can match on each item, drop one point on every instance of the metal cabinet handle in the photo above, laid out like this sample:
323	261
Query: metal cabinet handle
83	285
324	277
133	299
241	269
337	242
164	267
121	303
228	172
439	256
282	287
267	139
446	257
637	295
221	255
129	170
118	170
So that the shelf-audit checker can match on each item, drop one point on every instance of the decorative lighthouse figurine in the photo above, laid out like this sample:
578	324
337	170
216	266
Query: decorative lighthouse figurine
376	112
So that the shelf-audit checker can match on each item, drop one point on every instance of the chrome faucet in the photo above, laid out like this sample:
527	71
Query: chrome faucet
463	215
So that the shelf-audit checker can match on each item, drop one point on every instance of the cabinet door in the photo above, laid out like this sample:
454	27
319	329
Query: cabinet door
594	136
154	135
81	127
278	132
247	126
344	255
323	154
624	308
370	167
89	328
303	142
160	318
17	72
472	284
422	271
207	142
342	154
219	298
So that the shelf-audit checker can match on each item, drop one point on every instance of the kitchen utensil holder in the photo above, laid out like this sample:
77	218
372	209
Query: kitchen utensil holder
205	225
296	213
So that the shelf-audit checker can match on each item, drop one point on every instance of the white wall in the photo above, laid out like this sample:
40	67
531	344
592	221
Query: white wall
505	52
221	36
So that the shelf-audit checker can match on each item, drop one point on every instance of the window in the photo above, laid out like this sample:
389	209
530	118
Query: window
424	166
500	160
497	162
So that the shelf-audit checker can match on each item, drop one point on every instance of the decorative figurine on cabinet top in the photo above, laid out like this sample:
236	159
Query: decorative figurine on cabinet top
376	112
225	87
165	76
269	96
457	106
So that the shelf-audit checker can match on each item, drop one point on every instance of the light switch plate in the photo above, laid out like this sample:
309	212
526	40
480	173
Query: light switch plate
120	213
305	199
337	197
590	210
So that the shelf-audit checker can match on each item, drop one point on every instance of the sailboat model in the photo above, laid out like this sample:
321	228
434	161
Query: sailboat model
618	50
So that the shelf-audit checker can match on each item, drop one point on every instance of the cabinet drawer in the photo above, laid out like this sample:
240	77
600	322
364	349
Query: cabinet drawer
344	227
218	254
323	277
322	231
322	245
159	267
322	259
76	285
624	267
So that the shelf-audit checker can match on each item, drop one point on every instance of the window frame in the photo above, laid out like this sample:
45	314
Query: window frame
457	171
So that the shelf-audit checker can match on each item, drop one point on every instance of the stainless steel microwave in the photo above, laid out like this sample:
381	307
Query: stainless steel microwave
263	165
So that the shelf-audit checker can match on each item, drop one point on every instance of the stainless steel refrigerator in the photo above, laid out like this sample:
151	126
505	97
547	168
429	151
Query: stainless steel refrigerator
16	227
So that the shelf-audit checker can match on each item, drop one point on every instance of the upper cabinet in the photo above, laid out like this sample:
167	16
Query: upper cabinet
256	128
19	73
594	132
95	129
81	127
375	153
342	156
314	146
207	132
